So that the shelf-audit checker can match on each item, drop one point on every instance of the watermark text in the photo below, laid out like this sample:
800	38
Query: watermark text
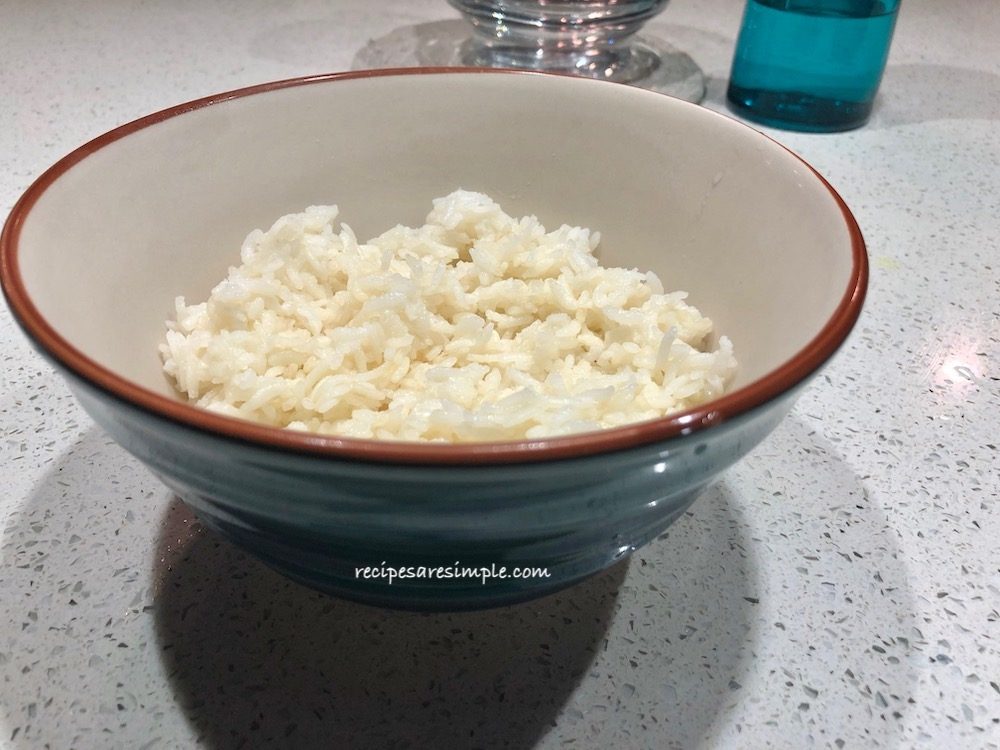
484	573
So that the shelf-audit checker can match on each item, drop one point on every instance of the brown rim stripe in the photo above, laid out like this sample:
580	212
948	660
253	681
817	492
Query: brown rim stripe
792	372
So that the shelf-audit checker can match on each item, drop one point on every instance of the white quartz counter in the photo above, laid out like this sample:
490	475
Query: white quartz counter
838	588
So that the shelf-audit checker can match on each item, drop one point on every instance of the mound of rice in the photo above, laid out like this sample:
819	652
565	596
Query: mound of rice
476	326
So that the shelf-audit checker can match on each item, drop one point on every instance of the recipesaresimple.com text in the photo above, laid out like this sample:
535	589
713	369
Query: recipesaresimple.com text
484	573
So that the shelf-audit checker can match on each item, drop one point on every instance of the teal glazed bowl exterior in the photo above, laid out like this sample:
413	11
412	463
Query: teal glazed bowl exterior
321	521
94	253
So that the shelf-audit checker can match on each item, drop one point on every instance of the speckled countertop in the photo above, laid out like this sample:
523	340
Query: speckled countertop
839	588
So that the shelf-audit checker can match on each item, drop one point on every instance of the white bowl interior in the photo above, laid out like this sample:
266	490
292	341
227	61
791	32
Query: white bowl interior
711	206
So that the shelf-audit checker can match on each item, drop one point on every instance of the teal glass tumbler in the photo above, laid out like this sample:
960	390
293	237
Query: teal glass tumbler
811	65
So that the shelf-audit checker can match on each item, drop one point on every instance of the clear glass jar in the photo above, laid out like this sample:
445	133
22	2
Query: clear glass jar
583	37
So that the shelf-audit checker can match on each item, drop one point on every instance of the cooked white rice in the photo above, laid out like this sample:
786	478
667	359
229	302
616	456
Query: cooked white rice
476	326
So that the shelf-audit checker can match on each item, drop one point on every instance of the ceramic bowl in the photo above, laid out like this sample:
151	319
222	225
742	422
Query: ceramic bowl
96	250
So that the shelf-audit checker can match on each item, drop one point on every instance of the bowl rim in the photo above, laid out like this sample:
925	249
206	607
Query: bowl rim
777	381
